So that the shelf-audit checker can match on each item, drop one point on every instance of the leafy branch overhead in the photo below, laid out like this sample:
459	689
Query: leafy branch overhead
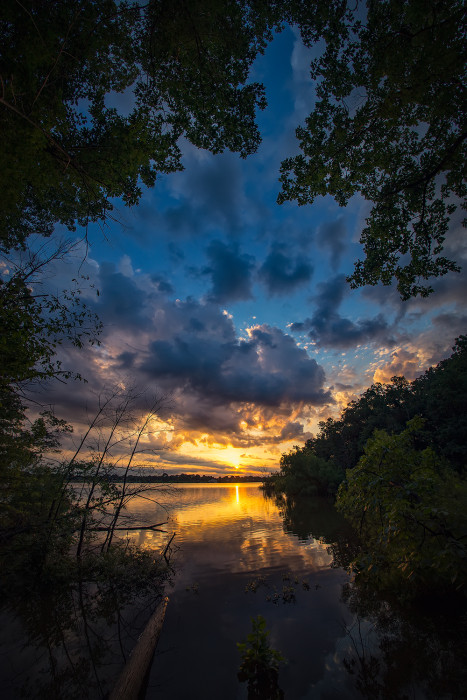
182	68
390	124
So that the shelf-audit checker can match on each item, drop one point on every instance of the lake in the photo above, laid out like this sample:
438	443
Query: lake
235	555
235	559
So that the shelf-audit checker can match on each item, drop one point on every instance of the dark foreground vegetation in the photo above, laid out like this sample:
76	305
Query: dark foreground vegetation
75	593
396	462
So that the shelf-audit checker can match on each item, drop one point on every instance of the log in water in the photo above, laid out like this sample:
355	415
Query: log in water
129	685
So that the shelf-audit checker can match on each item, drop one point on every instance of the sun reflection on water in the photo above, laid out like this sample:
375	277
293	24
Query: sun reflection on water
232	526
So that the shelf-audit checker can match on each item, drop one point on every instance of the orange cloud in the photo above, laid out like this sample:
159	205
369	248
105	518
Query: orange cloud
403	362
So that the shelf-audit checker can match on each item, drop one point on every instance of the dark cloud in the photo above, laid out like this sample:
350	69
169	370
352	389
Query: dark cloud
230	273
282	274
163	285
120	299
327	328
126	360
206	197
291	430
333	236
190	349
451	324
267	369
199	413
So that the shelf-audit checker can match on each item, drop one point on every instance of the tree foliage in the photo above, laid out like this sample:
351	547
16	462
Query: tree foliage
176	69
303	473
439	395
389	123
402	448
409	510
35	323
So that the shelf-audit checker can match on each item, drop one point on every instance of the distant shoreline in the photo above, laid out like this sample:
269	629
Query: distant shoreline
178	479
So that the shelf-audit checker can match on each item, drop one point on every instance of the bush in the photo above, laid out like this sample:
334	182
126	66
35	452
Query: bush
409	508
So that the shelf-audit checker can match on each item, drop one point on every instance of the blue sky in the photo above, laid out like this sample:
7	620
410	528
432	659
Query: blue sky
238	308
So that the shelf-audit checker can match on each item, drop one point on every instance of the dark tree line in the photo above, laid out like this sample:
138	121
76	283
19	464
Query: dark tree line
438	396
396	458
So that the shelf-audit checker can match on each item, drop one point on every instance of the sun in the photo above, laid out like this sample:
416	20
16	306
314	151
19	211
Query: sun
232	457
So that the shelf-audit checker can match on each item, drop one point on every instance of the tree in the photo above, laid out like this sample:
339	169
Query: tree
34	324
409	510
44	517
390	124
304	473
182	67
440	396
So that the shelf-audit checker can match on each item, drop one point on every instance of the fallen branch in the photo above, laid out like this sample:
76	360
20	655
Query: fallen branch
136	670
135	527
167	548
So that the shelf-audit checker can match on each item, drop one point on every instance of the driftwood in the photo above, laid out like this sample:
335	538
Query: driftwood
130	685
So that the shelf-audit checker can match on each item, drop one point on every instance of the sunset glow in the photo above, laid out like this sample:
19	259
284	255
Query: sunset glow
237	310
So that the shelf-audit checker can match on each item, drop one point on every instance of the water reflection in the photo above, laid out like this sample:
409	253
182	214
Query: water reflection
233	528
229	537
244	555
70	638
239	555
403	653
392	652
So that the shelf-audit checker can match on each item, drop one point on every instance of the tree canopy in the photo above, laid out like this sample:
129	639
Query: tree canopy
389	123
96	95
182	69
408	508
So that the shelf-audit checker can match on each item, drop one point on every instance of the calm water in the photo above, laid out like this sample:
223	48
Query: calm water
236	555
235	559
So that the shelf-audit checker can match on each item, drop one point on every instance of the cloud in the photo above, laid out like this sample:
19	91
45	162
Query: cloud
267	369
230	273
126	360
333	236
292	431
242	391
163	285
403	363
206	197
327	328
120	298
281	274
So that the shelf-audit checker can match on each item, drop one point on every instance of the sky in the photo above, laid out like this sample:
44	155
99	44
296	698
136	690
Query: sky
234	310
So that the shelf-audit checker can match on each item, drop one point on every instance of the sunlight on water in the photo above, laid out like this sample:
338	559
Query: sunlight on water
239	528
